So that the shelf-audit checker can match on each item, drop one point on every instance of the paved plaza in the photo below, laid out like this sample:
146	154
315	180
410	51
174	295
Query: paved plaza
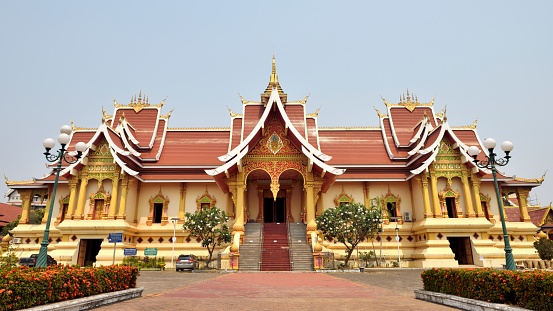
373	290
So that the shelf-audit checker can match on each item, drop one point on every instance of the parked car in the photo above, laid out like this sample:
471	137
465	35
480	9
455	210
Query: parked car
31	261
186	262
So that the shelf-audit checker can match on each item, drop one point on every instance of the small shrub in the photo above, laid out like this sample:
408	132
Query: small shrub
545	248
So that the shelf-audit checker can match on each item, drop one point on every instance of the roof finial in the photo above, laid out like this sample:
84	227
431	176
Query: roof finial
274	77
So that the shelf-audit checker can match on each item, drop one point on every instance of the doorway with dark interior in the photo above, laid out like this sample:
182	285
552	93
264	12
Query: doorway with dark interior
88	250
274	211
462	249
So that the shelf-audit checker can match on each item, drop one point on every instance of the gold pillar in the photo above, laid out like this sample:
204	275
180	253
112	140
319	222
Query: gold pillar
310	206
289	217
435	198
124	193
476	194
182	202
425	196
366	197
138	185
522	195
26	196
114	195
82	198
239	219
260	204
72	197
466	192
230	205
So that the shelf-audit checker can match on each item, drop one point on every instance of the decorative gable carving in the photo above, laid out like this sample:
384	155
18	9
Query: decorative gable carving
343	198
274	141
448	162
205	200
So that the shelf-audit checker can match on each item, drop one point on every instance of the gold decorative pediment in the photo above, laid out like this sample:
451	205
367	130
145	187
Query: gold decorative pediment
343	198
205	200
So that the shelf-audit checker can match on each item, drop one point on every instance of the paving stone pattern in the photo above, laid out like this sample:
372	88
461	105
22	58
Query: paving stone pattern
373	290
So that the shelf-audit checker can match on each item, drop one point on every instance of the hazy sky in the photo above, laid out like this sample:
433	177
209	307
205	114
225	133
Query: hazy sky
485	60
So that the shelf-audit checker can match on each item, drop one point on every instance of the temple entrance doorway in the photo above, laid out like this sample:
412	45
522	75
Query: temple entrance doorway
274	211
462	249
88	250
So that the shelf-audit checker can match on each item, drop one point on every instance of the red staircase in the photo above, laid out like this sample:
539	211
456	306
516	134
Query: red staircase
275	252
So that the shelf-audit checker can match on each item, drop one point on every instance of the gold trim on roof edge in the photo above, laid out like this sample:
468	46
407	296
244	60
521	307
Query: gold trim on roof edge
538	180
23	182
301	101
351	128
314	114
75	128
380	114
167	116
198	128
235	115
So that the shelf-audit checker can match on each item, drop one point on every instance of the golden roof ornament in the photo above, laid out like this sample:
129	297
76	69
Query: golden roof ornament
138	103
408	101
273	83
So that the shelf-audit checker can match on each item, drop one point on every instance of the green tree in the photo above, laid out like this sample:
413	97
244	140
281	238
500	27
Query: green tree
208	224
36	216
6	229
545	248
350	224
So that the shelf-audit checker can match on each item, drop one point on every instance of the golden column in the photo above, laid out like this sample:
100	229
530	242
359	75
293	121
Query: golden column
260	204
476	194
310	202
435	198
239	219
124	193
26	196
366	196
522	195
72	197
114	195
466	192
425	196
136	204
182	201
82	197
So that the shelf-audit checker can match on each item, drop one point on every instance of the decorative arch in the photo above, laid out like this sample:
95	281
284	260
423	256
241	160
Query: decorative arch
343	198
205	200
275	166
158	209
485	202
391	208
99	204
449	201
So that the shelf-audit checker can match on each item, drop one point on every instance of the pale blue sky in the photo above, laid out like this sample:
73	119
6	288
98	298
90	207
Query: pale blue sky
65	60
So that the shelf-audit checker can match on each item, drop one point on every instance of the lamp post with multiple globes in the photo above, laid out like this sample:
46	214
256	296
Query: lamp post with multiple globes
490	163
61	155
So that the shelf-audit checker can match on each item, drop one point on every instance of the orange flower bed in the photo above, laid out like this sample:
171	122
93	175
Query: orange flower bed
527	289
24	287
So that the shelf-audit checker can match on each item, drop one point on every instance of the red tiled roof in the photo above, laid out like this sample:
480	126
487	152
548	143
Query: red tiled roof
8	213
296	114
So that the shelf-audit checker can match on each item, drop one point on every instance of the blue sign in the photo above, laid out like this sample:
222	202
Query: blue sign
115	237
129	252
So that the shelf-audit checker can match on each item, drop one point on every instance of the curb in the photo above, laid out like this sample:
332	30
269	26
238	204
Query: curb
91	302
463	303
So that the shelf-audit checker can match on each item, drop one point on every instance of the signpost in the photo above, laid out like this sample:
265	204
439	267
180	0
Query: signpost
129	252
114	238
150	252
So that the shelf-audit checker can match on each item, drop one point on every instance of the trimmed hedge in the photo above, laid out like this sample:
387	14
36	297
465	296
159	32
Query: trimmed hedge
24	287
527	289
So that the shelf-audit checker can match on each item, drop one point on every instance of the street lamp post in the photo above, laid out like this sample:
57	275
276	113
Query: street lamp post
174	221
61	155
397	239
490	163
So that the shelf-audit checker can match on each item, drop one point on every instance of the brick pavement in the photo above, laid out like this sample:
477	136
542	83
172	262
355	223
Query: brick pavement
376	290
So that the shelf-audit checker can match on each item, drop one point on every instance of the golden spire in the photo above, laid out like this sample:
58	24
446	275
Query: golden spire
273	83
274	78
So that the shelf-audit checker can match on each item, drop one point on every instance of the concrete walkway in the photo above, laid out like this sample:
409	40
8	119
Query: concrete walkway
372	290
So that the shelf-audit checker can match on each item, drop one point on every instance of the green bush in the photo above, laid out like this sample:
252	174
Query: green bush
527	289
24	287
545	248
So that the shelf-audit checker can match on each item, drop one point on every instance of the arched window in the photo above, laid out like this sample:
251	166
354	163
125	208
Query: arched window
158	210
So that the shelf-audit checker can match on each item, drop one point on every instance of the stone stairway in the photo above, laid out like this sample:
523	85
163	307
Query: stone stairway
300	251
250	250
275	251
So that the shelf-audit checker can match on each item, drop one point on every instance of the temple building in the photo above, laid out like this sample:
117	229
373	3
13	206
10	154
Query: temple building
277	164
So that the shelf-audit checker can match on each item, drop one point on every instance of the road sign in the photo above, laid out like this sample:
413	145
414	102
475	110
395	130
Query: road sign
115	237
129	252
150	252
